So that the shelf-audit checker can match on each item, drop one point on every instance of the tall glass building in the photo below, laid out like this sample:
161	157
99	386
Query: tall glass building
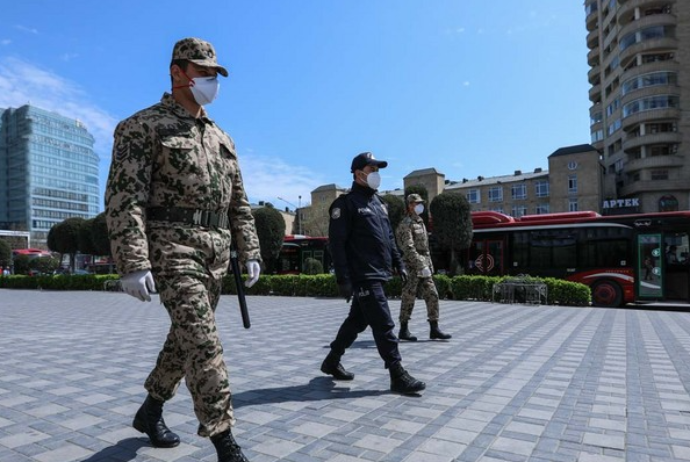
48	171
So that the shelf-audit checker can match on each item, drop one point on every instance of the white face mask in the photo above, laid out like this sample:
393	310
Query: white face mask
419	209
373	180
205	89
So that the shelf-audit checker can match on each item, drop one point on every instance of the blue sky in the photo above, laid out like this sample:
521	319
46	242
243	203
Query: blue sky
469	88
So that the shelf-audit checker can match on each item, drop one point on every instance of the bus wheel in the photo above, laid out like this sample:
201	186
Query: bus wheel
607	293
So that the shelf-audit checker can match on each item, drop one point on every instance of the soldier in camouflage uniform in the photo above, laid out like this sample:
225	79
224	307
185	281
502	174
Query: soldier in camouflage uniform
174	202
414	242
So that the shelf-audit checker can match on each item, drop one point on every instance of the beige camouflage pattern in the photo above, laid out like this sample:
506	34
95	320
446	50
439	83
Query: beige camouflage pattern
199	52
164	157
413	241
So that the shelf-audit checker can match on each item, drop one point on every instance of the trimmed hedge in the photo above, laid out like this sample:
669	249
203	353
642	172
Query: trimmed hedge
323	285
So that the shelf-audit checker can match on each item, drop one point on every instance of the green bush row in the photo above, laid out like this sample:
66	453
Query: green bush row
324	285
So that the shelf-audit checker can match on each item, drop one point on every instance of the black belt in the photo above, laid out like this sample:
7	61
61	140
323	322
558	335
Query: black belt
197	217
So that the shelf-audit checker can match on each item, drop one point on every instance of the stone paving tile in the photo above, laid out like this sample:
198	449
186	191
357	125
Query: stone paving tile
516	383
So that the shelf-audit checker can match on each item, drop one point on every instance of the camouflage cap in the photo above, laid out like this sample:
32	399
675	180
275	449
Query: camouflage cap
414	198
199	52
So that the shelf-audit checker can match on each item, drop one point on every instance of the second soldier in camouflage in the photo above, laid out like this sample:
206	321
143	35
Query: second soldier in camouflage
413	241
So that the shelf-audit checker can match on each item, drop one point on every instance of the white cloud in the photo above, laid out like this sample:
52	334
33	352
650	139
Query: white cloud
5	42
267	178
30	30
69	56
24	83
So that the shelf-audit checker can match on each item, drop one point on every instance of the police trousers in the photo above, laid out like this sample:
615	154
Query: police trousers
369	308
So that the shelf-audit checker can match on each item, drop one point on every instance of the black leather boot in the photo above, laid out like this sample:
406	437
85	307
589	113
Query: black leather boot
436	334
331	366
402	382
227	448
149	420
405	333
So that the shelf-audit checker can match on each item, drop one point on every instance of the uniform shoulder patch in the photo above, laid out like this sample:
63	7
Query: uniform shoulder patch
335	213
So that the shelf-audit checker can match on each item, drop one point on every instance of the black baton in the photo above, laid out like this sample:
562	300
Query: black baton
234	263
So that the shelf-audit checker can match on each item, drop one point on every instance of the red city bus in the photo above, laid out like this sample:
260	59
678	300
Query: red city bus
296	249
622	258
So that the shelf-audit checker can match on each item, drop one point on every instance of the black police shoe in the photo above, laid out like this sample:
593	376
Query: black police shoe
402	382
331	366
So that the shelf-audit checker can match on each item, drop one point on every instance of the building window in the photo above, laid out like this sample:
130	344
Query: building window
473	196
659	175
497	209
572	205
668	204
651	103
496	194
572	184
518	191
541	188
572	165
519	210
542	209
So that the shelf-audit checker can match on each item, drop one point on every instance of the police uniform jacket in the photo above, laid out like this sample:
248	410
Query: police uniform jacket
361	240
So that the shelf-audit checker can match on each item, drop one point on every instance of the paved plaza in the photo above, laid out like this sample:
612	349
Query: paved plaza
516	383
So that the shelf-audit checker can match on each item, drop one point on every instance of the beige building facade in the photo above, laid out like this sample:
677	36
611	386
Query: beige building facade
639	58
573	182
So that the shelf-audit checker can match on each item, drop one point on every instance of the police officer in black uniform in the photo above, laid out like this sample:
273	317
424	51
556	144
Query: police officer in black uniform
364	254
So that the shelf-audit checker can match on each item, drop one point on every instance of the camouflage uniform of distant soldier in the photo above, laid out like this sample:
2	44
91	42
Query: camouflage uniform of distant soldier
174	202
414	243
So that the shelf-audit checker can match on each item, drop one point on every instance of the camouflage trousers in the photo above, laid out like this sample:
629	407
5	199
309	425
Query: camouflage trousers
409	295
193	351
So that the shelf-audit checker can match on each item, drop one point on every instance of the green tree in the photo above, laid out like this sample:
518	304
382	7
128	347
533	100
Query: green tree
63	237
396	209
99	236
452	224
86	245
422	191
5	254
270	228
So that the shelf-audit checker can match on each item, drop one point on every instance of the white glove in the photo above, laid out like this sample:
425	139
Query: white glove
426	272
139	284
253	271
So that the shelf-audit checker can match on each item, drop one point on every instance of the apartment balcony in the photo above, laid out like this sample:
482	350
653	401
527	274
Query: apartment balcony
664	19
650	116
591	21
594	75
595	93
654	162
652	186
647	92
626	10
593	56
593	39
630	143
658	66
659	44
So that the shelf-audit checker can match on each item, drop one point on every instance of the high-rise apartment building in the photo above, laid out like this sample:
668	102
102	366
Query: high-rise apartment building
48	171
639	58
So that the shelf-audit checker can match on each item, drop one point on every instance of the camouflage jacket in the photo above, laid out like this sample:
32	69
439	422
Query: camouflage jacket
165	157
413	241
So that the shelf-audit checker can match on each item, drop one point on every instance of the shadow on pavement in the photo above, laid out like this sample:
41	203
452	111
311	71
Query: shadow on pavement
318	388
122	451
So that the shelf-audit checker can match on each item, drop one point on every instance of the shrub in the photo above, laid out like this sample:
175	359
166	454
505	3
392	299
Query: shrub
313	266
